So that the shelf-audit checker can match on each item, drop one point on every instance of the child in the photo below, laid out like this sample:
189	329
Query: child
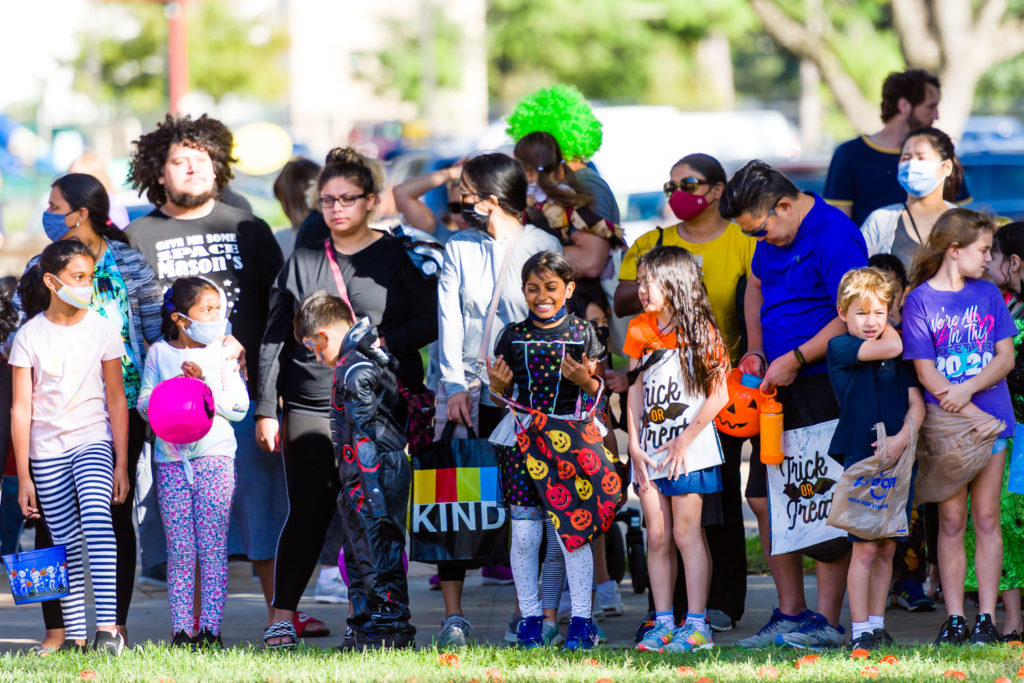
368	430
958	332
871	386
69	424
544	363
894	268
671	432
1007	273
196	481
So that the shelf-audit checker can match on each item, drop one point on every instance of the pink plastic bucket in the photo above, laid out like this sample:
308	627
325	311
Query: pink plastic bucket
181	410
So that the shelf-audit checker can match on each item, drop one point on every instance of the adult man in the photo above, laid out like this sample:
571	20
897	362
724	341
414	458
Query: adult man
804	248
862	175
183	165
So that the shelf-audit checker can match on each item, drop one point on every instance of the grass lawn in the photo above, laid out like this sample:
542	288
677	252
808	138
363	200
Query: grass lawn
483	664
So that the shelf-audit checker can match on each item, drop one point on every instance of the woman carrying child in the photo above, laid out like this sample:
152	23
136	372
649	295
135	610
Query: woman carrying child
69	424
680	362
196	481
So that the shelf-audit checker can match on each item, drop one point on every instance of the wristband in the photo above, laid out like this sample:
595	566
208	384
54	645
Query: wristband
799	357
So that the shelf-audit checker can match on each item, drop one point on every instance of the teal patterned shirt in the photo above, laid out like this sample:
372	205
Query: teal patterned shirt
110	299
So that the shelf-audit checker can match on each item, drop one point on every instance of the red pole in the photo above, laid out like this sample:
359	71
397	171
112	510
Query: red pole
177	49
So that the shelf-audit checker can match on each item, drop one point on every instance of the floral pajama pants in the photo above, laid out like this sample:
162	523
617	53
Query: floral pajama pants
196	525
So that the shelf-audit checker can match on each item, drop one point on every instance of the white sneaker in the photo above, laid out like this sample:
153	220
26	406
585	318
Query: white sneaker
330	587
455	632
608	600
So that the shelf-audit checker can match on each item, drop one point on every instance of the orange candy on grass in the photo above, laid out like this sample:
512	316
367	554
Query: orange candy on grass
869	672
860	653
955	675
889	659
448	659
686	671
806	659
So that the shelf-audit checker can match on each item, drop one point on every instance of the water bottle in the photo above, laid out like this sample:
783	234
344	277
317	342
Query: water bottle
771	429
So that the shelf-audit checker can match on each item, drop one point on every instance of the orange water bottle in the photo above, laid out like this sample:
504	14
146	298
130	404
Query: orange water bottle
771	429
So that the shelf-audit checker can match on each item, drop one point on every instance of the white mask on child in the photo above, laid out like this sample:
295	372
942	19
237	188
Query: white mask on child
79	297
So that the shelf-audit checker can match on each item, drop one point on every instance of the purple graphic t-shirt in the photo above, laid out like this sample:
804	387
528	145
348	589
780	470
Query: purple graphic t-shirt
959	331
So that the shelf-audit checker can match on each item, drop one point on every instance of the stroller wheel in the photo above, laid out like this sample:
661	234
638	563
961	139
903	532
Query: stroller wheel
615	553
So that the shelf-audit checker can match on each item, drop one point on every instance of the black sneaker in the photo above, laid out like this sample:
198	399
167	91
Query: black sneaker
182	639
954	631
208	640
349	642
1011	637
108	643
865	640
646	625
985	631
882	638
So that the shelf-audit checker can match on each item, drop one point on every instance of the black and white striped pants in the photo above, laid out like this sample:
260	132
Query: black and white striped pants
75	489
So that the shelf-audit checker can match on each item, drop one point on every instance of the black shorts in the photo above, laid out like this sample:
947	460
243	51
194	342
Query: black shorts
808	401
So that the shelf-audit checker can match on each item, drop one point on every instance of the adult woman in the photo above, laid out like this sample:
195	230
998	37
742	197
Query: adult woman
126	293
370	269
493	193
931	174
415	212
694	187
557	203
291	188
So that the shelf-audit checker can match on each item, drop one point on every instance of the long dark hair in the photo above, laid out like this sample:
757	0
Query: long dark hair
539	151
347	163
499	175
292	186
943	146
83	191
675	272
179	297
705	164
33	292
956	227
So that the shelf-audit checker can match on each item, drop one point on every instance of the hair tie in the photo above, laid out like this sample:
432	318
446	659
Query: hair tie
168	293
109	222
540	168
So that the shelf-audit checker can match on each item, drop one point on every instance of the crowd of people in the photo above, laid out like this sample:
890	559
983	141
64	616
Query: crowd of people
881	306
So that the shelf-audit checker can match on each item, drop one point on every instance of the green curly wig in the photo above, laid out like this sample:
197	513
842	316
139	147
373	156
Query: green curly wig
562	111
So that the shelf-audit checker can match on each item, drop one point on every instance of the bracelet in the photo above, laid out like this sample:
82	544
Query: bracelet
799	357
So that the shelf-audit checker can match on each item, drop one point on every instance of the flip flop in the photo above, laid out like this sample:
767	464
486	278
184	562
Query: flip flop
307	626
42	650
280	629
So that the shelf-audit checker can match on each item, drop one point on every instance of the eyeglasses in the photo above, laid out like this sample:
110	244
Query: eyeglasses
326	201
761	232
686	185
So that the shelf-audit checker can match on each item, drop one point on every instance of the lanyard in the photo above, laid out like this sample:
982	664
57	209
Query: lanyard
339	281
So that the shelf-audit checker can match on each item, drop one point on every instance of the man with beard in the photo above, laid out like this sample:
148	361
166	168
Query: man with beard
862	175
184	165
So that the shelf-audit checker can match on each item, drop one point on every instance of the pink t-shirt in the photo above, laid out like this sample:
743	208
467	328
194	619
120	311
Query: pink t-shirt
69	399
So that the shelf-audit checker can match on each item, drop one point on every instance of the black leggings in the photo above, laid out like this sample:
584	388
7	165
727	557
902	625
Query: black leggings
311	476
490	416
124	533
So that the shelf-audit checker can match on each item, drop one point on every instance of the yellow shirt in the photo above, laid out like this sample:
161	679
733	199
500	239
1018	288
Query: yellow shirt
723	261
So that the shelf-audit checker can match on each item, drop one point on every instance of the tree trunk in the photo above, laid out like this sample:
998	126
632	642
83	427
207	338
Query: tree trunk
714	63
959	80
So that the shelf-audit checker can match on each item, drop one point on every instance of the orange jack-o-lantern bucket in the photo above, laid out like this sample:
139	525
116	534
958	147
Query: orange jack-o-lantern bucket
741	416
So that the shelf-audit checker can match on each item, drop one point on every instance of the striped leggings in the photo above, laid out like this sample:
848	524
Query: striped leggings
75	490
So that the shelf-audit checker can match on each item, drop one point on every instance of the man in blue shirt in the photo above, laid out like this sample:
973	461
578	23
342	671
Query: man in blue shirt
862	175
804	248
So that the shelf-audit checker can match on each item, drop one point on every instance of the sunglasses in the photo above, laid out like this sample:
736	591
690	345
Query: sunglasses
686	185
761	231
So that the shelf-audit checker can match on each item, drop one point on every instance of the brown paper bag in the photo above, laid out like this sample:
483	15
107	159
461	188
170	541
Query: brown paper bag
952	453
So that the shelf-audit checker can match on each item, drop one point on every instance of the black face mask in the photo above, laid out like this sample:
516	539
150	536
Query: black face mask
603	333
474	219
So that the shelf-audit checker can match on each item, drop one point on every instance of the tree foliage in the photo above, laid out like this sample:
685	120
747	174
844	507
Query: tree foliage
228	54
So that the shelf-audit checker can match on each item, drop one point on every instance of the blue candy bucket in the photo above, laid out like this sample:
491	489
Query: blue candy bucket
38	575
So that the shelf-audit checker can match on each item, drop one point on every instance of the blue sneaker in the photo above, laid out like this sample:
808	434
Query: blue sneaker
656	638
582	634
530	632
688	638
775	627
814	634
910	596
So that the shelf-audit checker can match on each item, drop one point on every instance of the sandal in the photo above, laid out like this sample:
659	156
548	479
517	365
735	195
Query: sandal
307	626
43	650
280	629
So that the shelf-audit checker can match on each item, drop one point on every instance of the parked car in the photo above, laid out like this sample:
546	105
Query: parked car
992	134
996	182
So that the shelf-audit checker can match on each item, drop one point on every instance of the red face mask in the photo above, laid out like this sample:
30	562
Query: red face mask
687	206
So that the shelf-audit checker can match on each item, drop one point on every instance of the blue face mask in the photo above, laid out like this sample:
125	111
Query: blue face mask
919	176
205	333
54	225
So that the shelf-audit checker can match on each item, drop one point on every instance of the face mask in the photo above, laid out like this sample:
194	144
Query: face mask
687	206
474	218
205	333
603	334
54	225
555	317
79	297
918	176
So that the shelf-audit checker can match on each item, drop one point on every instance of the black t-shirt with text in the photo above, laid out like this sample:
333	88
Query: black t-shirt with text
229	246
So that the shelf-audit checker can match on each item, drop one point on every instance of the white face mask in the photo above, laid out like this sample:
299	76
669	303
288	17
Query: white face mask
79	297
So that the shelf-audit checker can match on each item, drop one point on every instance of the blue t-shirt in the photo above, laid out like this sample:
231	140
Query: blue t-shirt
959	331
862	175
800	281
868	392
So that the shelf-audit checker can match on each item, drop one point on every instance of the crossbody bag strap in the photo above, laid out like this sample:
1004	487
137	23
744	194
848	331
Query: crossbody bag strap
339	281
492	308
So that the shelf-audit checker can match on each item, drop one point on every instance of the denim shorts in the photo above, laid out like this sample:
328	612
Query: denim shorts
999	445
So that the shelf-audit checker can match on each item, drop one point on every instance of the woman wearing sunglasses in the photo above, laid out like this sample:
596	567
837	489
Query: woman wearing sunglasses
415	212
723	253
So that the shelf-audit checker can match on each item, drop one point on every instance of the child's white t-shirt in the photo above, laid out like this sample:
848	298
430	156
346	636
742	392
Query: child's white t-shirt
69	399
